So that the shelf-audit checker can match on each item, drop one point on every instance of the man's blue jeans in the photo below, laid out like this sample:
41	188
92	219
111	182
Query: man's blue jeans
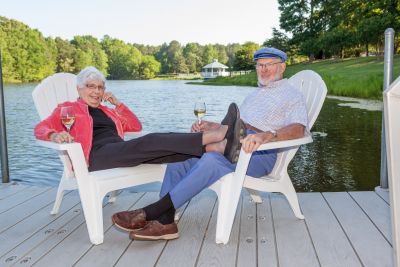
184	180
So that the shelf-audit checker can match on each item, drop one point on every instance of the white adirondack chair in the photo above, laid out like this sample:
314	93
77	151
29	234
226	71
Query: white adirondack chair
229	187
93	186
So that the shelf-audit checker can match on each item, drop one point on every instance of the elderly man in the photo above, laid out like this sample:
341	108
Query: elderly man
274	111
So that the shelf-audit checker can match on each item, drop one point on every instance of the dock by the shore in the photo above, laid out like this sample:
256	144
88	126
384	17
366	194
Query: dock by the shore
340	229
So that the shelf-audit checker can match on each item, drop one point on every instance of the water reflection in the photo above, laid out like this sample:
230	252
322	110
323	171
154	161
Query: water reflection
344	155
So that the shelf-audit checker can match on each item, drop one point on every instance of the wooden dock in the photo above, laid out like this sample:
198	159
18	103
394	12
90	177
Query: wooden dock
340	229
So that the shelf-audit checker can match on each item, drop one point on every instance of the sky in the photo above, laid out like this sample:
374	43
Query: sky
150	22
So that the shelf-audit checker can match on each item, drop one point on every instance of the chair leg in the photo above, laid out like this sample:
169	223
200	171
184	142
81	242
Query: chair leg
290	194
65	184
255	195
226	213
93	211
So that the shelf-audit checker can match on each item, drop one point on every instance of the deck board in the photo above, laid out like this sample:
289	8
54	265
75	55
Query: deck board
340	229
383	193
10	189
213	254
17	240
115	239
25	209
67	246
292	238
377	210
192	228
266	250
371	246
247	252
20	197
331	244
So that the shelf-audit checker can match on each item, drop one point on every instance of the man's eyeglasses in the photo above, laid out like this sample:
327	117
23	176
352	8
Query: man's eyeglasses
266	65
92	86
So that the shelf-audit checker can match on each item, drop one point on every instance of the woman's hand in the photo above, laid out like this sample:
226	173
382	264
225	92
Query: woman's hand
108	96
61	137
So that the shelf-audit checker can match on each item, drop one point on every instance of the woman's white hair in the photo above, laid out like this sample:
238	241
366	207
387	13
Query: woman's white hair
89	73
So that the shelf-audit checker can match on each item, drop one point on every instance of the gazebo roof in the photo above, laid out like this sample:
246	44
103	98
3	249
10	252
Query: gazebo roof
215	65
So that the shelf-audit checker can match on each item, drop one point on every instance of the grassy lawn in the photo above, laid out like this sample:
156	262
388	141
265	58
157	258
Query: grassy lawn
355	77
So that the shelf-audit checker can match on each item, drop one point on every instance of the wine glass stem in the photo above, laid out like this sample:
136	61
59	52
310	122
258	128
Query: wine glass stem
68	128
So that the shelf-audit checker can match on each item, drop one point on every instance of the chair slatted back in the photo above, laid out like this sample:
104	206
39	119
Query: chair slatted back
314	91
53	90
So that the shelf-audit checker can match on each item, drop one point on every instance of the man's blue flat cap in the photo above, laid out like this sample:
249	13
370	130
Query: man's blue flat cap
269	52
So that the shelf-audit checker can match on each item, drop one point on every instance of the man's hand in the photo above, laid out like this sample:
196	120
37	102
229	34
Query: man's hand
108	96
204	126
61	137
253	141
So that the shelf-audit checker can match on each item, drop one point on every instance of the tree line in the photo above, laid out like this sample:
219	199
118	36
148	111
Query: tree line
325	28
29	56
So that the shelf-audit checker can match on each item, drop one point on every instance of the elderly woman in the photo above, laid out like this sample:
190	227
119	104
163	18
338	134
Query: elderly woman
100	131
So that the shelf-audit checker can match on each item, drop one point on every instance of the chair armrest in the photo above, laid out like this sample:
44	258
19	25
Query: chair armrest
75	155
286	143
57	146
131	135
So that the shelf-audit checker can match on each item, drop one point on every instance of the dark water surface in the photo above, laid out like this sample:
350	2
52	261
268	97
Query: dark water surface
345	154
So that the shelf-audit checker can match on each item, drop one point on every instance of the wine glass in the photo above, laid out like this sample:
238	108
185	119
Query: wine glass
67	116
200	110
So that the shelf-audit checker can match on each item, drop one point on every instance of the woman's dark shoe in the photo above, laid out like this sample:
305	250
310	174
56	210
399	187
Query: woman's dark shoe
130	220
154	230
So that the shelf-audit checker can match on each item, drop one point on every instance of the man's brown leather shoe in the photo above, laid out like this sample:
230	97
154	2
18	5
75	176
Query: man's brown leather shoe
154	230
130	220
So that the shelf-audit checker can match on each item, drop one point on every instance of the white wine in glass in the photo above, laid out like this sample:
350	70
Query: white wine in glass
200	110
67	116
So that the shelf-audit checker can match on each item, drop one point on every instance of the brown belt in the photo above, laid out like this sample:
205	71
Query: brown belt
248	126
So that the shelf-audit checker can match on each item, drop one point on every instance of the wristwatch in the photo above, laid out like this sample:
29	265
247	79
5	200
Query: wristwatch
274	133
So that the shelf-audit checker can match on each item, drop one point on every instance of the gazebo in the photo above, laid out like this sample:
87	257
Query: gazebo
214	69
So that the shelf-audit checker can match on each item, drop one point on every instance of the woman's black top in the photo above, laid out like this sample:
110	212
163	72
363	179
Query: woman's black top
104	130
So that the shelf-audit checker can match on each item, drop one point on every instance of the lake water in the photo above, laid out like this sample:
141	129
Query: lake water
345	154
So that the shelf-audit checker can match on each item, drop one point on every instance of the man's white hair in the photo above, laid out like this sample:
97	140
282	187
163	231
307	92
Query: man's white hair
89	73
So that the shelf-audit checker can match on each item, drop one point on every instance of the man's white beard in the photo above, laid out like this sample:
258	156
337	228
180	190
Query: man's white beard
266	82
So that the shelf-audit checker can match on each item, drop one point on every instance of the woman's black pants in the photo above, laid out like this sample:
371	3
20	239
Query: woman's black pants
151	148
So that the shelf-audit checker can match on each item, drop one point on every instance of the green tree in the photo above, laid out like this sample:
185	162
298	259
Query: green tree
222	55
279	40
302	19
6	58
335	41
209	54
89	52
244	56
192	55
28	56
231	50
65	55
147	49
123	60
149	67
171	58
